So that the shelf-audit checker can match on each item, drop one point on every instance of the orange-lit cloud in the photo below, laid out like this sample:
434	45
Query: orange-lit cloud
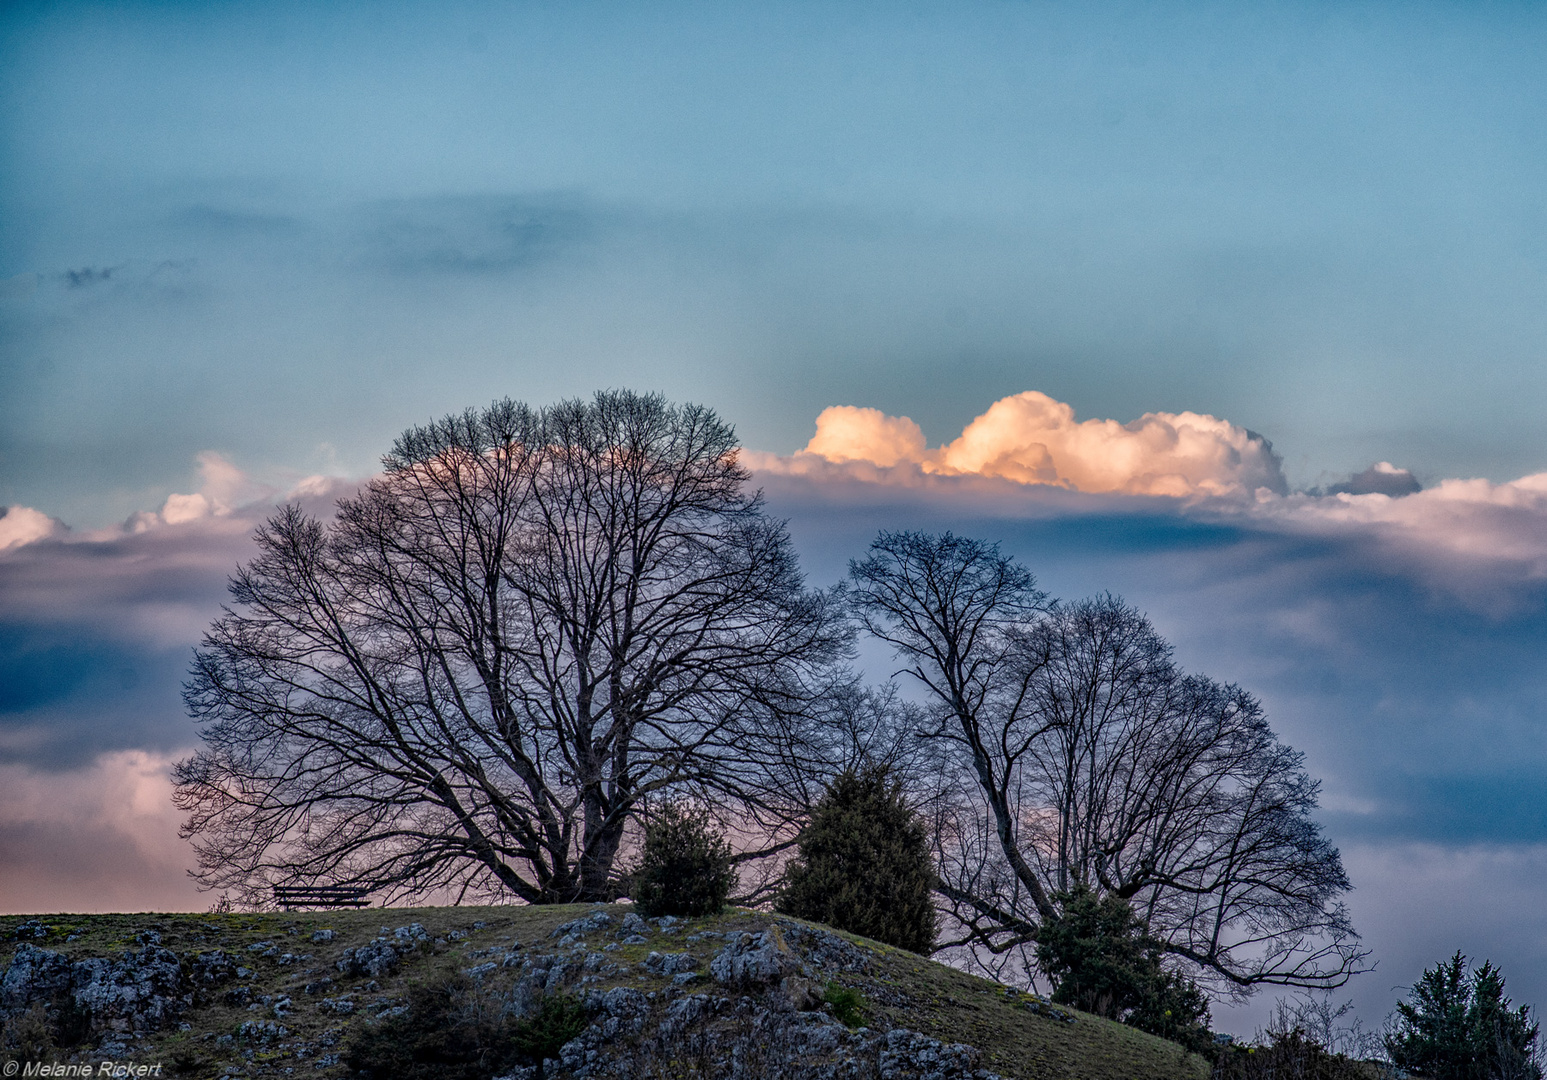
1030	438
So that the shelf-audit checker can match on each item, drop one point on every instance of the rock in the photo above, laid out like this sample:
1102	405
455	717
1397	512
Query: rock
825	949
667	964
589	924
141	992
34	975
213	968
375	959
262	1032
752	962
633	924
31	930
410	936
322	935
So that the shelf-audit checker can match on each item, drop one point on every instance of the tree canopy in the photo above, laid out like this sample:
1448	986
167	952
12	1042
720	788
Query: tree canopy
1076	753
1455	1027
472	675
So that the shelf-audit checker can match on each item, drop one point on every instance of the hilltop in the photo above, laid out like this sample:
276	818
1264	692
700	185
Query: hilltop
740	994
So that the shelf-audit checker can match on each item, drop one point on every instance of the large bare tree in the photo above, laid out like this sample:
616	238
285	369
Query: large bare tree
472	678
1074	751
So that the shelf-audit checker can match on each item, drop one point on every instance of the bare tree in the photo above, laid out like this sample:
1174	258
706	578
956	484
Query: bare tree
1077	752
471	679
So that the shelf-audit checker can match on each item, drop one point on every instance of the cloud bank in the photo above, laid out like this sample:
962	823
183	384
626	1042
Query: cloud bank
1028	453
1030	438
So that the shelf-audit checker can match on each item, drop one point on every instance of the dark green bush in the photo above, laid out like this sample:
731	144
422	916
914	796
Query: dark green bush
864	864
849	1005
557	1019
1101	959
45	1029
1459	1028
686	866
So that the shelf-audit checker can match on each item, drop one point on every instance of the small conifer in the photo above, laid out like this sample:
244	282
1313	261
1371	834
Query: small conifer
864	864
686	867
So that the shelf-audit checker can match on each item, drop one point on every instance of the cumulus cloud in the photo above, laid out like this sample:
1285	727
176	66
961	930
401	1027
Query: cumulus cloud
21	525
849	433
224	488
1029	438
1028	454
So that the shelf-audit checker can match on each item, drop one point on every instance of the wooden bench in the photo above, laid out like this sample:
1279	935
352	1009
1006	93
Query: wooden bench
291	897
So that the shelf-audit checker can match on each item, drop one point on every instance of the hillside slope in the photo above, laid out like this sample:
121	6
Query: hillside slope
739	994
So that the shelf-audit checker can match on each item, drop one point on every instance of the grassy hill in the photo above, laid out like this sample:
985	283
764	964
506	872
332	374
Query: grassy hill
291	993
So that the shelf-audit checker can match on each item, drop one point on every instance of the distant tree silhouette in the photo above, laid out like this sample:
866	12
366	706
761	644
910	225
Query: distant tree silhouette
1074	751
471	677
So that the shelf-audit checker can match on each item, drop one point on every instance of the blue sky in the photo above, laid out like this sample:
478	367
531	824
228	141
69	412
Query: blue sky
279	234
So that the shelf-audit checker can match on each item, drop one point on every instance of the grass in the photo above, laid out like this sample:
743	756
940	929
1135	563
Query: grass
900	989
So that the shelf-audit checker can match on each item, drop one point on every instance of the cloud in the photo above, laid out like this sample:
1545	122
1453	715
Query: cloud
1028	455
21	525
477	235
97	627
1382	478
1473	538
98	838
1029	438
849	433
224	487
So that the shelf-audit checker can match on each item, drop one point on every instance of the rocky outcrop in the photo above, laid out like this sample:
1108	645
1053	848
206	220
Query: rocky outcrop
741	997
142	992
763	1018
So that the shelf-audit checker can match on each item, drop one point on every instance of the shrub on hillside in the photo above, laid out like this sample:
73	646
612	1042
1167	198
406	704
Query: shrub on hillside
447	1033
1101	960
686	866
1290	1055
864	864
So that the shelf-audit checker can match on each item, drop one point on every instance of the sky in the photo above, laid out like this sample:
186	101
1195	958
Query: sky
1237	310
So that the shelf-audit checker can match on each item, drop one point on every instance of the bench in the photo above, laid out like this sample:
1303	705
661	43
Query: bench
291	897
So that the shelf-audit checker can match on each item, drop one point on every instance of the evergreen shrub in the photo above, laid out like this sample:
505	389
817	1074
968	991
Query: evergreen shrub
1459	1028
686	866
864	864
1102	960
